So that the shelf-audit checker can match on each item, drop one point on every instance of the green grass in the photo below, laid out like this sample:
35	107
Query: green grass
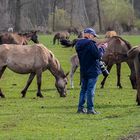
55	118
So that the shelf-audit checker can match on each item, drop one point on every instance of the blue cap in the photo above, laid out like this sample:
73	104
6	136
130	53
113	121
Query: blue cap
90	31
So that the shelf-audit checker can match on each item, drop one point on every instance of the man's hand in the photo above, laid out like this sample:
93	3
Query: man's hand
103	45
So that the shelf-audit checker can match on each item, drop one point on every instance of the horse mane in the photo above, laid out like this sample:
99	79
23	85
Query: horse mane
126	42
56	63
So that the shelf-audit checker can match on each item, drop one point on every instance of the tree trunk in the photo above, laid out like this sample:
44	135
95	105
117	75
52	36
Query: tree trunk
17	16
71	13
53	22
99	15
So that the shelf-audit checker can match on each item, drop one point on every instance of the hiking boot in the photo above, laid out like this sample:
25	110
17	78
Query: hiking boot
93	112
82	111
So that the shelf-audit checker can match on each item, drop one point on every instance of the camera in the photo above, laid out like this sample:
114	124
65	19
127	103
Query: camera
103	68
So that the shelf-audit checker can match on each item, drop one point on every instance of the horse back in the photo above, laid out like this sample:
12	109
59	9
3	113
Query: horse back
22	58
12	38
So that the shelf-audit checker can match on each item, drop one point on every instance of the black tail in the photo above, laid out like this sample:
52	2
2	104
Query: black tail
54	40
139	56
68	43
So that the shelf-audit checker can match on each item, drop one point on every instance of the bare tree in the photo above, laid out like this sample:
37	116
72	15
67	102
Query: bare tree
17	15
54	10
71	13
99	15
19	5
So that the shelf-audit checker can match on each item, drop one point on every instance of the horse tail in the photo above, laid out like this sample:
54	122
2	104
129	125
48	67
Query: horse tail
132	52
139	56
54	39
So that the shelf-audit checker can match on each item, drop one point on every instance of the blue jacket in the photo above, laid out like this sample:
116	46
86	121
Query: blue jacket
89	56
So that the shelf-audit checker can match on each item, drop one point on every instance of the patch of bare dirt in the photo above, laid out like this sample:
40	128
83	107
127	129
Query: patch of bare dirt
135	136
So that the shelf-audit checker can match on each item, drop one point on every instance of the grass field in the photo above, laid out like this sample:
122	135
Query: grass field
55	118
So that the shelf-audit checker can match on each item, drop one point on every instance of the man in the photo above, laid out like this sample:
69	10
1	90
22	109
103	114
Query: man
89	55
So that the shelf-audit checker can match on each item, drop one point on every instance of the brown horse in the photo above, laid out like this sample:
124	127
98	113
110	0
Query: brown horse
134	54
60	35
114	54
33	59
15	38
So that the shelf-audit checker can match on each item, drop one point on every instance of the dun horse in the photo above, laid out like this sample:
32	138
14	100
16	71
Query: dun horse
60	35
110	34
114	54
33	59
15	38
134	54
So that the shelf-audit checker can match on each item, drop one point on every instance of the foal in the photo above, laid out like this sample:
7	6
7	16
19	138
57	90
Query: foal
18	38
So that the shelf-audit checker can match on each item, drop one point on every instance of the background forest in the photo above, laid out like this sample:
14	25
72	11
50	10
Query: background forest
53	15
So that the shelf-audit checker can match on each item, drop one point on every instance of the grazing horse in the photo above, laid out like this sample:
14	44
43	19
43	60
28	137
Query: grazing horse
60	35
134	54
33	60
15	38
110	34
114	54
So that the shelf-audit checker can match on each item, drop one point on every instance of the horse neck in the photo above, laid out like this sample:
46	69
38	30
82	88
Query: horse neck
55	68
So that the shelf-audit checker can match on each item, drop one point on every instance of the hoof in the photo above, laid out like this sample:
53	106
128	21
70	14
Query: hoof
1	95
134	87
23	94
102	87
119	86
62	95
138	103
40	95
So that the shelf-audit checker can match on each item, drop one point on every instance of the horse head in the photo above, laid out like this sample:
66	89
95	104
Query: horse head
32	36
60	84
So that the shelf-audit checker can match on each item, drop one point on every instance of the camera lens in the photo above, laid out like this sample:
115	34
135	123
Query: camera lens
103	69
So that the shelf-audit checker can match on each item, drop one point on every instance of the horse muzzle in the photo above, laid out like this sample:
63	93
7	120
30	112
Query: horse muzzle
63	95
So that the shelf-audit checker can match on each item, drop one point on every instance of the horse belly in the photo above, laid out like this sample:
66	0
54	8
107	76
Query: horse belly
21	67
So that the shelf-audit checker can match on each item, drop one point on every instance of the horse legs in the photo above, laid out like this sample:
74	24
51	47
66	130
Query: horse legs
1	94
138	90
73	69
30	79
118	66
132	73
58	40
109	66
39	78
138	99
1	72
